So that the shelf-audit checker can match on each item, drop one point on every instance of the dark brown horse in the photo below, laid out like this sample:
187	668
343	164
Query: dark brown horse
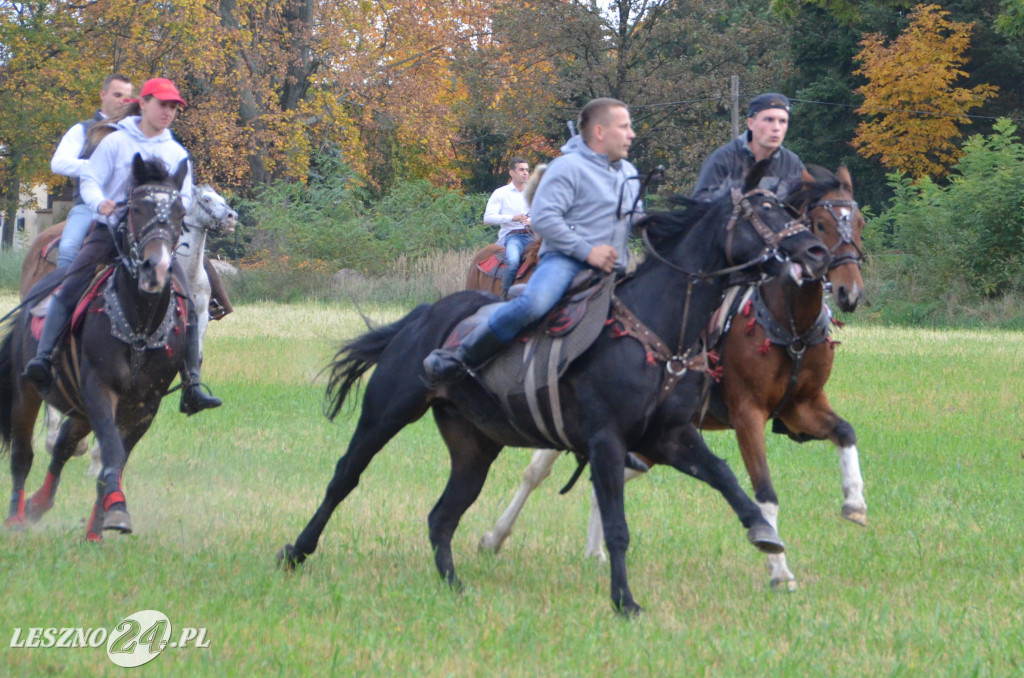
777	373
124	349
485	270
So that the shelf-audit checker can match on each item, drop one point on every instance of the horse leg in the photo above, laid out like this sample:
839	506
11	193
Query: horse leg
607	459
69	436
687	452
749	420
471	456
535	474
110	512
23	414
53	424
817	419
595	530
383	415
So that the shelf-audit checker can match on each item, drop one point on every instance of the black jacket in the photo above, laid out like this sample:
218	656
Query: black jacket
728	166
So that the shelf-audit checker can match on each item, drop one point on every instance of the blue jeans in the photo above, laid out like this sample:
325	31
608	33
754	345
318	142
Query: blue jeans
514	246
552	278
79	220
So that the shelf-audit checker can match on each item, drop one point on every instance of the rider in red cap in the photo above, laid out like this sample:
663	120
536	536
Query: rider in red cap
105	186
163	89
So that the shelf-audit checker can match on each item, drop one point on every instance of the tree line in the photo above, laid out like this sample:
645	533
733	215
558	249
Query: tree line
445	92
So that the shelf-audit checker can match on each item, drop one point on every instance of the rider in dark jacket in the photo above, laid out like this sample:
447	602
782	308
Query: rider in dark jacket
767	122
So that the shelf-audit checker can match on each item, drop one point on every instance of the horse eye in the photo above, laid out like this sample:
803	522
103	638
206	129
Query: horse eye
819	225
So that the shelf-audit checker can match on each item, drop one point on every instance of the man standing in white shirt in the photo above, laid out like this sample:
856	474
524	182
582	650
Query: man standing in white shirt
71	157
506	208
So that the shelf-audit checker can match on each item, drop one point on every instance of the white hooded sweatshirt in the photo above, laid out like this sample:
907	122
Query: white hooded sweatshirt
109	172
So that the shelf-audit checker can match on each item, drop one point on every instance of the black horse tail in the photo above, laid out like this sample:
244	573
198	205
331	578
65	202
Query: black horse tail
355	358
6	386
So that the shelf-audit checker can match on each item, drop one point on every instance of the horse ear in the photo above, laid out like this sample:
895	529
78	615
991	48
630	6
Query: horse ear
139	168
180	173
844	178
755	175
533	182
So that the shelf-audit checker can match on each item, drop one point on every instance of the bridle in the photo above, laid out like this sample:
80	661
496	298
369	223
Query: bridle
742	207
158	227
678	363
844	226
215	223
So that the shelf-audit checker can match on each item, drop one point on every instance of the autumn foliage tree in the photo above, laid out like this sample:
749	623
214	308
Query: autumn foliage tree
911	107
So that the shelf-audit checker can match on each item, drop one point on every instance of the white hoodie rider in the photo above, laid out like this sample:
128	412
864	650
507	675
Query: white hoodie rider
108	175
105	183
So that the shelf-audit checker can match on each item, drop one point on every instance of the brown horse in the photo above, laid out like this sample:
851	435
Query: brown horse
485	270
777	373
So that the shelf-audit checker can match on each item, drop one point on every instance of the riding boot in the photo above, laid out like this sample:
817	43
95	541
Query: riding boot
193	398
444	366
39	370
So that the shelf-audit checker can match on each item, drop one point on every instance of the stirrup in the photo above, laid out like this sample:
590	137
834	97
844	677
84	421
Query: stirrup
39	371
194	400
216	310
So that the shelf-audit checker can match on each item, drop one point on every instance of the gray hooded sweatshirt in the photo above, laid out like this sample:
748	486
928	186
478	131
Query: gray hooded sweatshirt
574	208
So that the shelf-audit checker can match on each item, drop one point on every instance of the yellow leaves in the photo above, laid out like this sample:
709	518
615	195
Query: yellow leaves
911	108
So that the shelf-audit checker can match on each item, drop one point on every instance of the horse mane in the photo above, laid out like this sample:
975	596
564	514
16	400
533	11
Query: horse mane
818	182
533	182
153	171
666	228
100	130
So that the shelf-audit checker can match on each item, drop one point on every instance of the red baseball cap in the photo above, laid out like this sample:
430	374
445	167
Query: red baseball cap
163	89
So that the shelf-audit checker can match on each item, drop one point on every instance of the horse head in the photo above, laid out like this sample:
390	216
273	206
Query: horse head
827	199
155	214
763	230
209	211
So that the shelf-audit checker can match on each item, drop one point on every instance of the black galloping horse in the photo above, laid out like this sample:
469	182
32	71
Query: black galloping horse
610	395
115	365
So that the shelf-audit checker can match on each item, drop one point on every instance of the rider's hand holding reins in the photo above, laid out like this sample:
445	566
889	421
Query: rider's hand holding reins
107	207
603	258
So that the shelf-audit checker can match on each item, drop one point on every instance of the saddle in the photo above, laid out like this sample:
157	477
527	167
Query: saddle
533	363
495	264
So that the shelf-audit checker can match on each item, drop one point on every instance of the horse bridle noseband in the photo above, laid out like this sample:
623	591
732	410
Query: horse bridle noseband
844	225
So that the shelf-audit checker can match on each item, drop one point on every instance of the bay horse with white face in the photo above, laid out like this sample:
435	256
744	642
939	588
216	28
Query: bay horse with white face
775	360
125	347
618	395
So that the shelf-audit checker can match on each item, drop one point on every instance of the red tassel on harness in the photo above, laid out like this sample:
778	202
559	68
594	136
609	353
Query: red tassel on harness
832	343
750	325
837	322
651	359
765	347
617	330
716	373
747	307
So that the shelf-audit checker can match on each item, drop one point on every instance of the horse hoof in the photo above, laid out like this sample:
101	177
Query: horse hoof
286	558
629	610
765	538
787	585
117	519
487	544
859	516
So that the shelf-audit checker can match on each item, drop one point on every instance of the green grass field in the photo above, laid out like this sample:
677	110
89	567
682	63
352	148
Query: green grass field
932	587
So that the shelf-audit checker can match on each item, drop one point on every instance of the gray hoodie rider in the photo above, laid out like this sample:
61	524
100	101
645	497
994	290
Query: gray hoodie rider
579	200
